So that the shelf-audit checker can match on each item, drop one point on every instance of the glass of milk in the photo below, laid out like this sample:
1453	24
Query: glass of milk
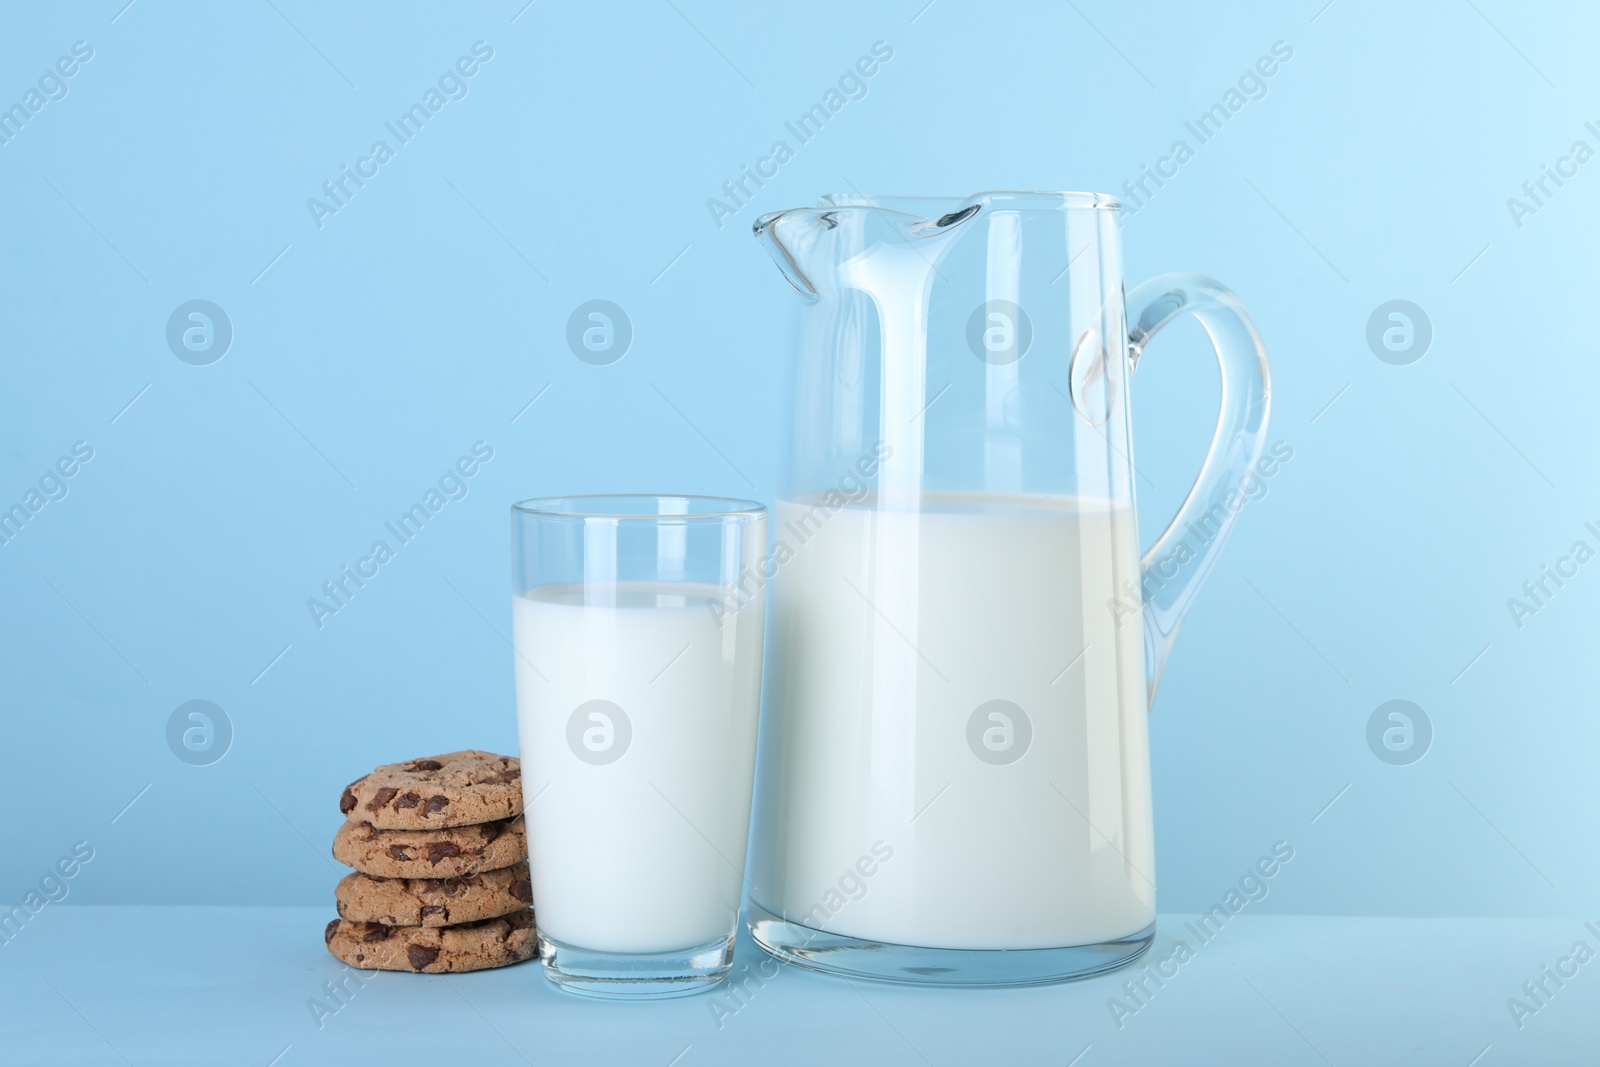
637	625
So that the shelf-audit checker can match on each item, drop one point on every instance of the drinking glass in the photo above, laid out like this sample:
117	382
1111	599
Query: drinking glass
637	625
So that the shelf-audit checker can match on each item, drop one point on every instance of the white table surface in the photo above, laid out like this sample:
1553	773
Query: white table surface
180	985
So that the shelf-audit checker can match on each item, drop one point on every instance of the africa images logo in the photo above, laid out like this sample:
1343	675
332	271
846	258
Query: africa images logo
451	86
999	732
599	732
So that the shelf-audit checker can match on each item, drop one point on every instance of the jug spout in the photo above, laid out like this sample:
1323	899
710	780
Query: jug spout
795	238
789	238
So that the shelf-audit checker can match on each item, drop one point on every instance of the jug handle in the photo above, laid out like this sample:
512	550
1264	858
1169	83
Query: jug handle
1173	568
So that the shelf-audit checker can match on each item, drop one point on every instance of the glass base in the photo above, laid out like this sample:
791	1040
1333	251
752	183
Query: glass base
854	957
635	976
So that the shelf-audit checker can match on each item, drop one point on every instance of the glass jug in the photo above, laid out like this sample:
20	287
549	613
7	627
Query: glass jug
953	773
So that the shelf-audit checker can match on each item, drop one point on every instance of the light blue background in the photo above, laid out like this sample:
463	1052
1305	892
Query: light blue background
426	314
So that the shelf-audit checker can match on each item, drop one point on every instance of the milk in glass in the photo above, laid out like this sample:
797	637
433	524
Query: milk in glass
637	705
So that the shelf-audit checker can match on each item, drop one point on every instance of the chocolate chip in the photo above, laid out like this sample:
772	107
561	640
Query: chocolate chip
440	850
522	889
432	909
327	934
435	804
408	800
347	802
399	852
491	830
421	955
510	776
381	797
377	932
427	765
453	886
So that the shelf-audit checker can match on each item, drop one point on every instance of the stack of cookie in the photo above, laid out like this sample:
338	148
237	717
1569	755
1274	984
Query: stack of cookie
441	861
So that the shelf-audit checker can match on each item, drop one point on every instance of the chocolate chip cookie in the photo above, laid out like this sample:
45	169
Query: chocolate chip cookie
434	949
434	901
448	853
455	789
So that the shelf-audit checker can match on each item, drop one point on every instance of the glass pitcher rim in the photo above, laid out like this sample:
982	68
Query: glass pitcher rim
963	206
